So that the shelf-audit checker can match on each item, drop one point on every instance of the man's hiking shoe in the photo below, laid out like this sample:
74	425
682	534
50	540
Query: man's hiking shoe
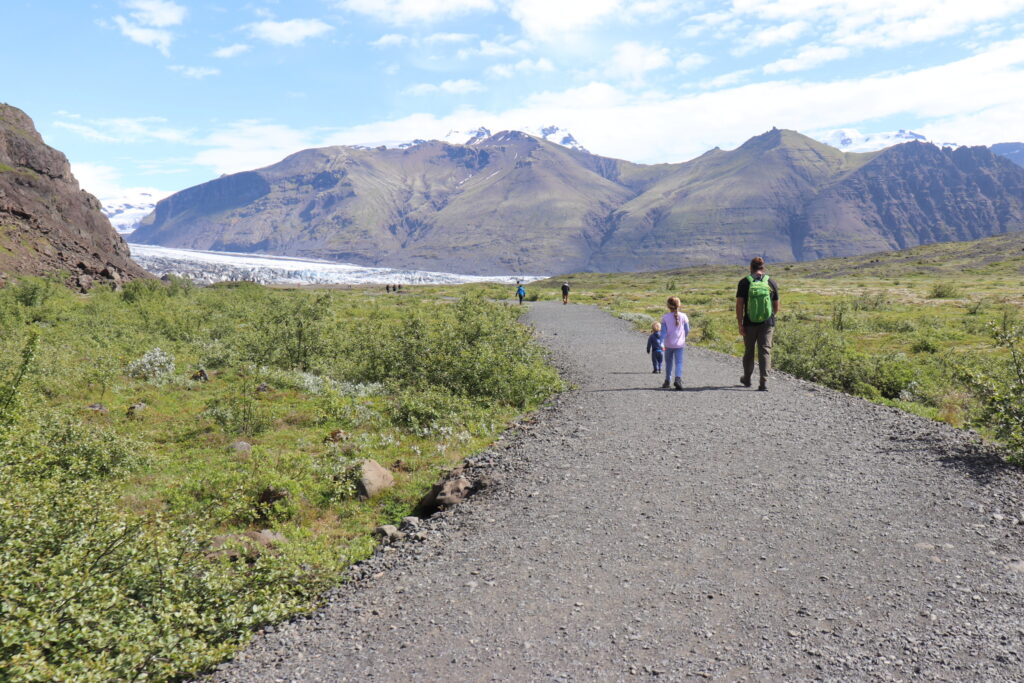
762	387
666	385
745	382
679	384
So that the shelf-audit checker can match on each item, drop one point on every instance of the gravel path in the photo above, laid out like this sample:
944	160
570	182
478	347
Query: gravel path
715	532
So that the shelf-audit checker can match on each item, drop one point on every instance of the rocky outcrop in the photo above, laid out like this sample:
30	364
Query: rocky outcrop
513	203
1014	151
48	224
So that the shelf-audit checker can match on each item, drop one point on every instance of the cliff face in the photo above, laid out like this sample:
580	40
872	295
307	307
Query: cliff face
915	194
47	223
513	203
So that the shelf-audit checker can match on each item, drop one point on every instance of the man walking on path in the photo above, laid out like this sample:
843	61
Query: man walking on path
565	293
521	293
757	303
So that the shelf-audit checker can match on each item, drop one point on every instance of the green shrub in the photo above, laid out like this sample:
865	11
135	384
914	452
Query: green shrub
472	348
291	333
238	415
924	345
89	594
56	444
819	354
156	366
891	375
999	387
944	290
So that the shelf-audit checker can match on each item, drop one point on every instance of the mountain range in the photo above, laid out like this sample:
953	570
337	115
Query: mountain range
512	202
47	223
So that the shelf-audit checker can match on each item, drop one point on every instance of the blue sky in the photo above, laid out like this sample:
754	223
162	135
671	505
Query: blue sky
168	93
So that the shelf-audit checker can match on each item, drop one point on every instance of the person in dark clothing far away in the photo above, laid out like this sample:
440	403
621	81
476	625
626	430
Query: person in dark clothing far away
565	293
757	304
521	293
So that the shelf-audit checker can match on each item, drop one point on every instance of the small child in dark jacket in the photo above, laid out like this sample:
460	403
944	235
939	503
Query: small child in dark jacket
654	348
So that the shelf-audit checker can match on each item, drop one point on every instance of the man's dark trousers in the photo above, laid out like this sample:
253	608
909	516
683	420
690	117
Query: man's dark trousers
761	335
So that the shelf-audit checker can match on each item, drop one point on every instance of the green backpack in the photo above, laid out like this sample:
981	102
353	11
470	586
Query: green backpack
759	300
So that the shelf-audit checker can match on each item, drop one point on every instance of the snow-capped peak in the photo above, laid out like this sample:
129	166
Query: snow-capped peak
557	135
126	209
472	137
852	140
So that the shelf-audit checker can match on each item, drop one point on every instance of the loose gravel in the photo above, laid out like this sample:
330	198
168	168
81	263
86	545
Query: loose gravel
716	532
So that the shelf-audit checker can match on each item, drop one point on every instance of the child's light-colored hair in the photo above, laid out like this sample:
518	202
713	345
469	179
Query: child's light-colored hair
673	305
655	327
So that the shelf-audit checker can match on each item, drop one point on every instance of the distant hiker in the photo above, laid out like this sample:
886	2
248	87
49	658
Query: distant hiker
387	288
757	303
655	348
521	293
675	327
565	293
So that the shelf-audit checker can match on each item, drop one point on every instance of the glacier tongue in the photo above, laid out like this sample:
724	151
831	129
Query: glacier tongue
207	267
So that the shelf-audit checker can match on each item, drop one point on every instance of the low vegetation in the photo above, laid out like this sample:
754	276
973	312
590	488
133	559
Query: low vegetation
124	490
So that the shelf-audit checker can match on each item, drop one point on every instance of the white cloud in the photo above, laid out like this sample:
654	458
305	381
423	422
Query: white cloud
809	57
727	79
692	62
106	182
291	32
873	23
771	35
157	13
632	61
390	40
448	38
231	51
492	48
454	87
196	72
125	130
249	144
411	11
542	64
550	20
152	37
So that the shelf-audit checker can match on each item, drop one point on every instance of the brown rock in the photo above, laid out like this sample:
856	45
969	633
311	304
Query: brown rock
337	436
452	489
246	546
373	478
50	224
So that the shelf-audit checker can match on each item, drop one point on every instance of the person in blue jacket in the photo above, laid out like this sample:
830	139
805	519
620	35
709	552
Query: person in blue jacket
655	348
521	293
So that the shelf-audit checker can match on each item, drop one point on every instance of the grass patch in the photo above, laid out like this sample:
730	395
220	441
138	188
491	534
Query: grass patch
118	473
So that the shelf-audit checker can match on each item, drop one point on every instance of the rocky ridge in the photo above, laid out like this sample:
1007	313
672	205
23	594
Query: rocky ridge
48	224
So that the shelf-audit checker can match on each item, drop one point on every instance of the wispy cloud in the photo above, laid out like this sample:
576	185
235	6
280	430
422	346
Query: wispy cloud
390	40
632	61
196	72
291	32
231	51
692	62
413	11
809	57
124	130
159	13
453	87
523	66
148	23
